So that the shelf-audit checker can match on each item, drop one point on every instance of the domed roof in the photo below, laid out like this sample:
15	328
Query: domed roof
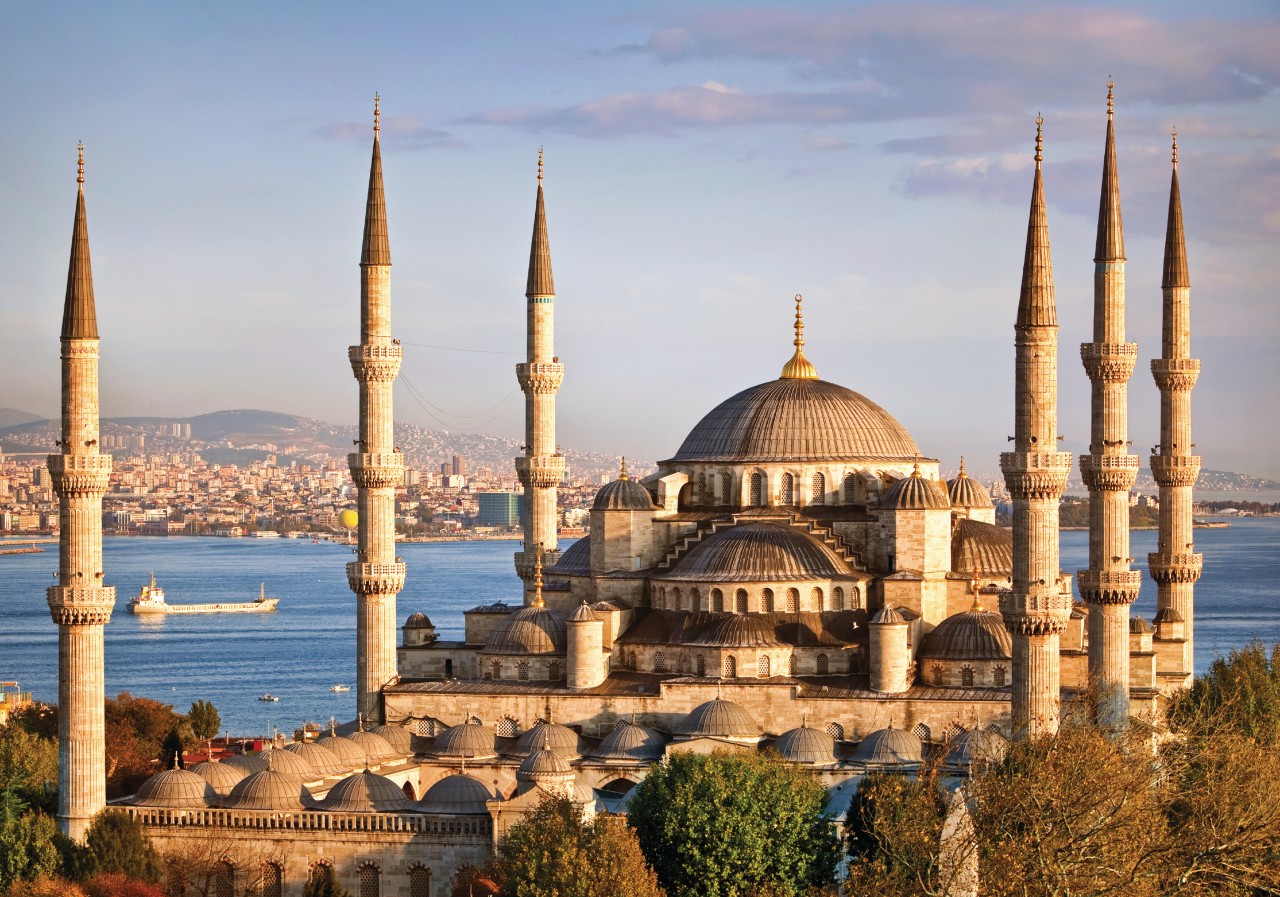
250	763
974	634
544	763
792	419
561	739
976	746
220	776
288	762
470	740
631	742
888	615
348	753
1139	626
806	745
738	631
915	493
719	719
530	630
457	795
981	548
623	494
400	739
373	748
584	614
889	747
418	621
322	761
268	790
576	559
177	789
966	492
365	792
754	552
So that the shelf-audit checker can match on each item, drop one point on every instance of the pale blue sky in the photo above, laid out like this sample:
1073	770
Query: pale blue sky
704	163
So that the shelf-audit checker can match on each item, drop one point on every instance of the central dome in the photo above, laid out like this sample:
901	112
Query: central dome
797	420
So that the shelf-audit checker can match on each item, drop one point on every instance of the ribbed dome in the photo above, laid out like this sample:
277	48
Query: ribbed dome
915	493
797	420
970	635
806	745
584	614
631	742
530	630
398	737
719	719
976	746
348	753
268	790
373	748
966	492
755	552
576	559
888	615
738	631
321	760
981	548
418	621
889	747
366	792
220	776
250	763
176	789
623	495
469	740
1139	626
561	739
543	763
457	795
289	762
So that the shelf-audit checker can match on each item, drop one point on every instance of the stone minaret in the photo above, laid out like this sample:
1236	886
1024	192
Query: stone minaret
1035	609
1175	566
542	466
1108	471
80	603
378	468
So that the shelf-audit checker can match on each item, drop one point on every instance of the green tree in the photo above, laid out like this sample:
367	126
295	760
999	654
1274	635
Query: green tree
116	843
28	841
29	766
1240	692
893	830
725	824
552	852
204	719
171	751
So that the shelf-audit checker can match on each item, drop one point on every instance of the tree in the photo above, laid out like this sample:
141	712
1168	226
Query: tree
321	883
116	843
29	766
204	719
44	886
724	824
1240	692
893	830
116	884
552	852
171	751
135	730
28	841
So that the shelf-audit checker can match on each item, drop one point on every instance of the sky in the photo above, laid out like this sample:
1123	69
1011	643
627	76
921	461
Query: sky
704	163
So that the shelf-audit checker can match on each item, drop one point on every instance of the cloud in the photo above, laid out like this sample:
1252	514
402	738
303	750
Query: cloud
399	132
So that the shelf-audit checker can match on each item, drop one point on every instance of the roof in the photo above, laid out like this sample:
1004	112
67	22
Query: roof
376	249
629	741
584	614
806	745
178	789
889	615
981	548
915	493
1036	306
760	551
79	315
623	494
966	492
268	790
1139	626
544	763
575	559
348	753
250	763
1175	241
418	621
540	281
530	630
321	760
738	631
719	719
970	635
971	746
466	740
797	420
561	739
889	747
366	792
807	628
400	739
1110	245
288	762
457	795
221	776
373	748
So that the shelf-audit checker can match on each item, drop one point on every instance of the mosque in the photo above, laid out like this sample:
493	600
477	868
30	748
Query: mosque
797	576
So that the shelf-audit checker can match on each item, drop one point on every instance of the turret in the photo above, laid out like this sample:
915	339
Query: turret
890	651
584	633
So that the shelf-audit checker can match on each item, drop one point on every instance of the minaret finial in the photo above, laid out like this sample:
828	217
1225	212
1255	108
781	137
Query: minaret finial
799	367
962	473
537	577
1175	147
377	114
1039	139
1111	96
80	170
622	475
539	165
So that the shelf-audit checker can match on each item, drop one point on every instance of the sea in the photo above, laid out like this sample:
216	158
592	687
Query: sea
308	644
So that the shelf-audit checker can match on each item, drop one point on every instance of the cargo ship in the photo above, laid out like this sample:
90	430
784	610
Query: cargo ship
151	601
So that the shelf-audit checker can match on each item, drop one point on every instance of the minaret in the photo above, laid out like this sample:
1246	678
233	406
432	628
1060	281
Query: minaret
1175	566
80	603
378	468
1035	610
1108	471
542	466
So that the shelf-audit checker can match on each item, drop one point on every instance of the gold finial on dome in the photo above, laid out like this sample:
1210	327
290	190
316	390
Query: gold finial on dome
377	114
915	470
80	171
799	367
962	474
537	578
622	473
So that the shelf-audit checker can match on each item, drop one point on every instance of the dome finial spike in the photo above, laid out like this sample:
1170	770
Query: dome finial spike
537	577
1111	97
622	475
962	473
1039	139
539	165
1175	147
377	114
80	164
799	367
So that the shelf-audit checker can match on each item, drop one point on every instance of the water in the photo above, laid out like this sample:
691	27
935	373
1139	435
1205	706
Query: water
308	644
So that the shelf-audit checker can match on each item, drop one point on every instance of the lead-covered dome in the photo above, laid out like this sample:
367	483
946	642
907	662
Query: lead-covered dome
966	492
629	741
530	630
220	776
268	790
457	795
806	745
365	792
889	747
759	552
623	494
797	420
974	634
176	789
561	739
915	493
322	761
468	740
719	719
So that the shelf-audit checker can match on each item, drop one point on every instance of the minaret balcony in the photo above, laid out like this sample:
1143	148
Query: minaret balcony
1109	473
74	475
376	470
1109	362
379	363
541	471
376	579
81	605
1109	586
1042	611
1175	374
1175	568
1175	470
1030	475
527	560
540	378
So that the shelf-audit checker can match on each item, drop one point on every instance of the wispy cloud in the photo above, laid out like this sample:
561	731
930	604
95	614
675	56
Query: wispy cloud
399	132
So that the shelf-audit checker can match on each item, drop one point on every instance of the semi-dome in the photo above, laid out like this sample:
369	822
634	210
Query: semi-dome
250	763
981	549
222	777
755	552
623	494
366	792
470	740
373	748
889	747
398	737
176	789
806	745
797	419
418	621
349	754
629	741
530	630
966	492
561	739
915	493
457	795
974	634
738	631
972	746
576	559
268	790
322	761
719	719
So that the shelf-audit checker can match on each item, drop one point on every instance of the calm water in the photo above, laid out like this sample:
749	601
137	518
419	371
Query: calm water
308	644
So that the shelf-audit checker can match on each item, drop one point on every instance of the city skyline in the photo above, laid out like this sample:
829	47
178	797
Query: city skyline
703	165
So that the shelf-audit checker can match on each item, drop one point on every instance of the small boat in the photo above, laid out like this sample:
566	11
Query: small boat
339	688
268	696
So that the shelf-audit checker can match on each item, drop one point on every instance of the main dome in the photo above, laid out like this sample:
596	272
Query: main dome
797	420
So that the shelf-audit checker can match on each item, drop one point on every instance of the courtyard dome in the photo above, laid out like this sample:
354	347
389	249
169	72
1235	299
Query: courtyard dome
719	719
756	552
806	745
373	748
623	494
889	747
974	634
915	493
250	763
575	560
976	746
542	763
457	795
268	790
561	739
530	630
398	737
348	753
966	492
176	789
470	740
288	762
365	792
797	419
631	742
321	760
220	776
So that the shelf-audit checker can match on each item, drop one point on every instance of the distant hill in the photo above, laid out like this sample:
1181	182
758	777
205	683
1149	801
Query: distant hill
12	417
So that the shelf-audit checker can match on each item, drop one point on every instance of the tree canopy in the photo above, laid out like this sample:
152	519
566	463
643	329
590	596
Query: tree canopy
116	843
204	719
28	842
29	766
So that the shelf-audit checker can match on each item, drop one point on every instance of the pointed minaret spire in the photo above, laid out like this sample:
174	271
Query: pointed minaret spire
79	317
1036	305
540	282
1110	246
377	248
799	367
1175	244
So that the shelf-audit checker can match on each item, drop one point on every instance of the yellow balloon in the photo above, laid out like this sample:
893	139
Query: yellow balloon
349	518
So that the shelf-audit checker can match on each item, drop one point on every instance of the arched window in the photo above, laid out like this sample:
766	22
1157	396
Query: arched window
757	490
788	496
495	669
717	601
726	487
407	788
762	666
522	670
731	667
662	598
818	490
419	882
224	879
793	601
369	878
817	599
695	600
677	600
836	731
740	601
766	601
701	494
659	662
553	670
966	676
997	676
937	674
823	665
272	880
322	876
702	665
506	727
855	594
793	666
850	488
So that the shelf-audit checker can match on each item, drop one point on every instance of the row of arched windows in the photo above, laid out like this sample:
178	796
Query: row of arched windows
999	676
853	489
675	598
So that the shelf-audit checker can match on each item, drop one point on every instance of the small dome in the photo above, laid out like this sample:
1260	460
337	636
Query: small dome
631	742
623	494
981	549
966	492
889	747
176	789
322	761
738	631
976	746
584	614
542	763
1168	615
971	635
915	493
888	615
806	745
576	559
469	740
365	792
348	753
268	790
1139	626
530	630
373	748
288	762
398	737
759	552
457	795
221	777
561	739
250	763
719	719
418	621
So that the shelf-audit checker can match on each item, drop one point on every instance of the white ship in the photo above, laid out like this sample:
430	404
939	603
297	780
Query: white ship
151	601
